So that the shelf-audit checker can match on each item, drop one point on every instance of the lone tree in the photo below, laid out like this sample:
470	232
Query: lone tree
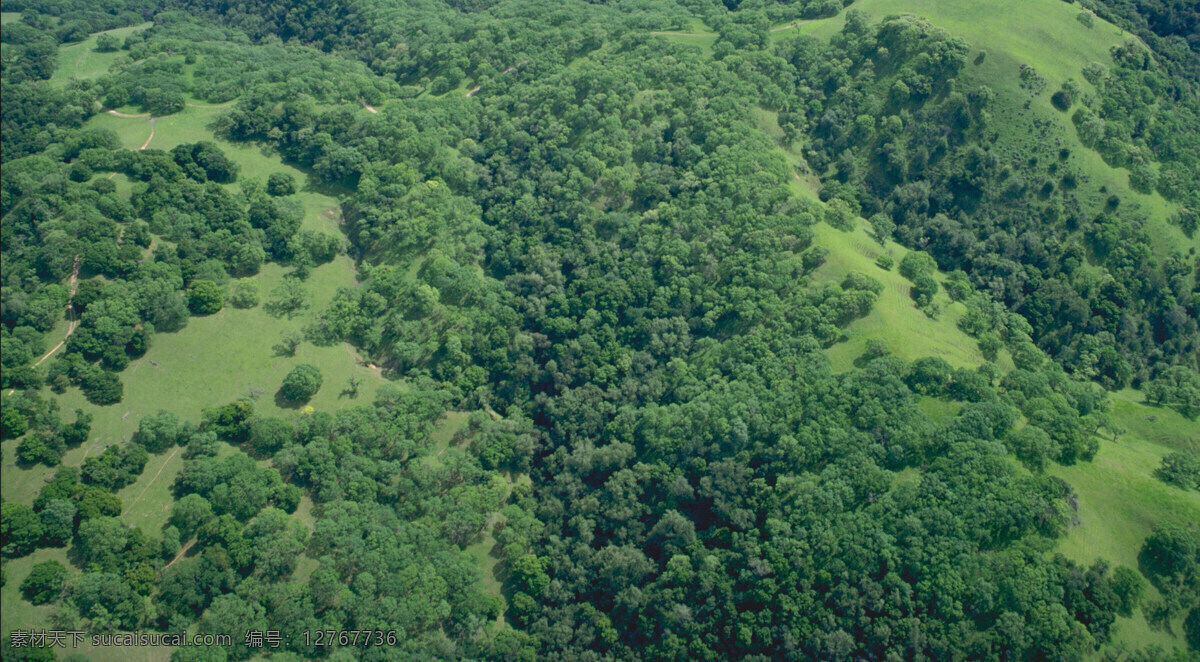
301	383
45	582
281	183
204	297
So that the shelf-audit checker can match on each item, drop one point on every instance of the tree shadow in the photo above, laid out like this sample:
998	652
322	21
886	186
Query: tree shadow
283	402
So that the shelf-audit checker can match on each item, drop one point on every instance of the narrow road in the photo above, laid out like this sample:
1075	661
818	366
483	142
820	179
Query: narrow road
72	323
151	137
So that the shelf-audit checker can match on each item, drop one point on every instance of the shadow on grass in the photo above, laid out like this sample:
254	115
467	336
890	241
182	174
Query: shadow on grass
283	402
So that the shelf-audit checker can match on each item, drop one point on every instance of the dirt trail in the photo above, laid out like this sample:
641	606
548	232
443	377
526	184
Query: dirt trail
791	26
125	115
72	323
147	487
151	137
370	109
502	73
668	33
182	550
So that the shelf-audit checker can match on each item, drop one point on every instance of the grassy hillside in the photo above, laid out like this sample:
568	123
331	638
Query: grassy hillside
1046	35
82	61
895	318
1120	501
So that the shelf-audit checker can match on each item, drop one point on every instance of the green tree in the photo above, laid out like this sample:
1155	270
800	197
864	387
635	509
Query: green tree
102	387
204	297
281	183
288	298
20	529
44	583
58	520
160	431
268	435
1191	629
101	539
190	513
1181	468
301	383
244	293
288	343
1128	586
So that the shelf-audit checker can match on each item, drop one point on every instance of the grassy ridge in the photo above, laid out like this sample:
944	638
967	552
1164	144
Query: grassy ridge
1046	35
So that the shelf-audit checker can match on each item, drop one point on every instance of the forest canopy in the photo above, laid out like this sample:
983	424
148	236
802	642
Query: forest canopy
591	290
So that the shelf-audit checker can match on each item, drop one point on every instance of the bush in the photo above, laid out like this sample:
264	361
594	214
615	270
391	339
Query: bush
1061	100
301	383
885	262
101	387
20	529
1181	468
107	43
244	293
44	583
281	183
204	297
916	263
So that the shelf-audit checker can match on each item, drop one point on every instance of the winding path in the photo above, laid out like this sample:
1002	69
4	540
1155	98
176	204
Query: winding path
72	323
150	137
114	113
182	550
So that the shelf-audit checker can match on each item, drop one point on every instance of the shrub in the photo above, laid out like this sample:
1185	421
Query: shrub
204	297
281	183
244	293
301	383
44	583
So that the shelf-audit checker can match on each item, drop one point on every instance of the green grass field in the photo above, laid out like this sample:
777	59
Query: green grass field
82	61
1120	501
895	318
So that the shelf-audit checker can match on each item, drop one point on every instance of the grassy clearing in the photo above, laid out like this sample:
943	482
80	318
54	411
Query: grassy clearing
895	319
937	409
81	61
1120	500
15	612
322	210
1158	425
9	17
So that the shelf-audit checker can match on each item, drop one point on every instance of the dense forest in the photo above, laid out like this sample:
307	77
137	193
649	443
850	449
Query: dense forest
572	232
